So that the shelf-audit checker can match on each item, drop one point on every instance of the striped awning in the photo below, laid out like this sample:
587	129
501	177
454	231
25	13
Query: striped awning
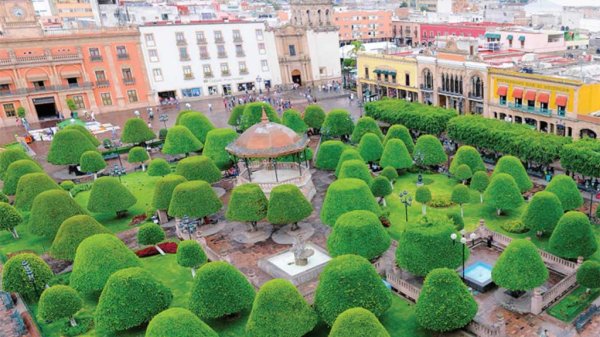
561	100
502	90
544	97
530	95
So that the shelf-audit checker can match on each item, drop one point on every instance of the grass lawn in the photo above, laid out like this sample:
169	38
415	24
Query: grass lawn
576	302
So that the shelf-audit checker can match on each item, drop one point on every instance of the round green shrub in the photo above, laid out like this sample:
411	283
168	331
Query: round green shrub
467	155
195	199
431	150
59	302
178	322
190	254
109	195
565	188
214	148
181	114
67	146
49	210
130	298
15	171
85	132
136	131
503	193
8	157
381	187
9	218
180	140
158	167
14	278
350	281
398	131
280	310
573	236
445	303
72	232
287	205
162	134
460	195
220	290
363	126
67	185
514	226
314	116
357	322
588	274
292	119
247	203
440	201
423	195
253	114
337	124
163	190
348	154
92	162
463	173
513	167
390	173
480	182
329	154
235	118
370	148
30	186
150	234
359	233
356	168
542	213
345	195
520	267
197	123
395	155
426	245
98	257
137	154
198	168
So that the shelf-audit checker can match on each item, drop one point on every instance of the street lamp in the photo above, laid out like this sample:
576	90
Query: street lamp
448	148
418	159
592	194
258	80
118	171
154	219
164	118
463	242
406	199
187	225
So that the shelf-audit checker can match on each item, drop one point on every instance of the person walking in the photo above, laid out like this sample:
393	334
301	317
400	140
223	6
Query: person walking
210	107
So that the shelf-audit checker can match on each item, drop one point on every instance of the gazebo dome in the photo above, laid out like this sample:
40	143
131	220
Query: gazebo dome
267	140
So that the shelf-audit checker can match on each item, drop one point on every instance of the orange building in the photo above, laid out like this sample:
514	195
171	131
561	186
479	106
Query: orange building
363	25
101	70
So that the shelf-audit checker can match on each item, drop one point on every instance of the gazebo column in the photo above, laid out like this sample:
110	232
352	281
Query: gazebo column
306	159
299	163
275	166
248	169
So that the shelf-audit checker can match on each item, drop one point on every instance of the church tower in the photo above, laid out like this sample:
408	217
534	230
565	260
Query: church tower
311	13
17	18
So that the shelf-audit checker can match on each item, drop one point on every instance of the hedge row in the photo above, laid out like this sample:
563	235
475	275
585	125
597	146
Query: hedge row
415	116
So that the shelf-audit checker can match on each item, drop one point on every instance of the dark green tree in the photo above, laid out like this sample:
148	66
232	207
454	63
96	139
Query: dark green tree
480	182
30	186
163	190
84	131
49	210
158	167
15	279
363	126
345	195
198	168
463	173
59	302
329	154
151	234
349	153
381	188
178	322
195	199
15	171
467	155
542	213
503	193
513	166
396	155
337	124
67	147
431	150
191	255
138	154
197	123
370	148
253	114
292	119
214	148
357	322
92	162
573	236
71	233
180	140
520	267
423	196
10	218
359	233
588	274
565	188
109	195
9	156
461	195
398	131
136	131
356	168
247	203
314	116
288	205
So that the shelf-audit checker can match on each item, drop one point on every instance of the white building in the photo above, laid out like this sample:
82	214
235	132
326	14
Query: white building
43	7
215	58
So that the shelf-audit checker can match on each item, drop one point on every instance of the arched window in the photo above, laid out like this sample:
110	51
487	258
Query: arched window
327	15
319	16
308	15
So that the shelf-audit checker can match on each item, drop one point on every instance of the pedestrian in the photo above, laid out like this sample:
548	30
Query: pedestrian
93	116
209	107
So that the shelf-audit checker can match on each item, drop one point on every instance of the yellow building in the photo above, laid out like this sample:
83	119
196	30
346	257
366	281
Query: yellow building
381	75
561	105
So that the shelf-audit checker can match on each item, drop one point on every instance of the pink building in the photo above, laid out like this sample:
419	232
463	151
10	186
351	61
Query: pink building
430	31
363	25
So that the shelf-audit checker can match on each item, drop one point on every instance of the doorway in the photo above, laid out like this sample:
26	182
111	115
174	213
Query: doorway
45	108
296	77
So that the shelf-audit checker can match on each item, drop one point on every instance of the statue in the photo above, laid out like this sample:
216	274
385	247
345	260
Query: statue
301	253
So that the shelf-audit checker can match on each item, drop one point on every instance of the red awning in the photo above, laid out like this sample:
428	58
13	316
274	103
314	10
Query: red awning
561	100
502	90
544	97
530	95
518	93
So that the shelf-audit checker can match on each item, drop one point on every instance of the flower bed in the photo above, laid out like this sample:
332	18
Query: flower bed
167	247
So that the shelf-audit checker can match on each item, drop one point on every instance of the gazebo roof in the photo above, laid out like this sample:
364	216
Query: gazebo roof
267	140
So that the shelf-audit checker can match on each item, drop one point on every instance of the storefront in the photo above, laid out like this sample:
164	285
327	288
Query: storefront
191	92
243	87
226	89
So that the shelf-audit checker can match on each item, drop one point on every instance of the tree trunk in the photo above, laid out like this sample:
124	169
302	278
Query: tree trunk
143	167
498	211
193	272
95	175
423	209
14	233
159	250
462	212
481	198
72	321
384	203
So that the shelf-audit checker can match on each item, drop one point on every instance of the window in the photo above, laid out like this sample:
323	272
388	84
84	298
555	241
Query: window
200	38
127	74
218	36
518	102
4	88
153	55
544	106
292	49
264	65
237	36
132	95
221	51
95	54
367	73
259	35
502	100
106	99
149	40
322	70
204	53
261	49
40	85
187	73
72	81
122	53
239	50
157	73
561	110
191	92
9	110
207	71
183	54
180	38
407	79
78	100
224	69
243	69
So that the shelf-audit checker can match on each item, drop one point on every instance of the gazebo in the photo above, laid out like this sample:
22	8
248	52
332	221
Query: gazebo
258	151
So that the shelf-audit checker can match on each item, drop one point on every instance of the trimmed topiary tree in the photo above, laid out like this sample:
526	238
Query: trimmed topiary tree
345	195
10	218
247	203
92	162
15	279
542	213
30	186
399	131
72	232
220	290
15	171
235	118
588	274
197	123
356	169
163	190
445	303
457	219
178	322
430	151
198	168
513	167
520	267
136	131
180	140
426	245
357	322
158	167
463	173
288	205
461	195
565	188
363	126
337	124
390	173
109	195
467	155
195	199
98	257
370	148
329	154
9	156
214	148
49	210
138	154
151	234
573	236
423	196
503	193
350	281
292	119
381	188
396	155
130	298
59	302
67	147
84	131
359	233
276	302
349	153
253	114
3	197
314	116
191	255
480	182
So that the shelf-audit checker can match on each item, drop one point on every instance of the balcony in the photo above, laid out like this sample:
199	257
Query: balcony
129	81
17	92
184	58
208	74
123	56
73	86
222	55
424	87
219	40
237	39
243	71
475	97
188	77
240	54
225	73
201	41
530	109
449	93
96	58
14	60
182	42
103	84
204	56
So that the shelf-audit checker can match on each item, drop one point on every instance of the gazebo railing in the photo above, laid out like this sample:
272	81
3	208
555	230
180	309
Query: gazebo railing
301	179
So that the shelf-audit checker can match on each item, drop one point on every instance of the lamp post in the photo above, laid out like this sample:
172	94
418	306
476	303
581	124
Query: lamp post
448	148
592	194
164	118
258	80
418	159
187	225
118	171
463	242
406	199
